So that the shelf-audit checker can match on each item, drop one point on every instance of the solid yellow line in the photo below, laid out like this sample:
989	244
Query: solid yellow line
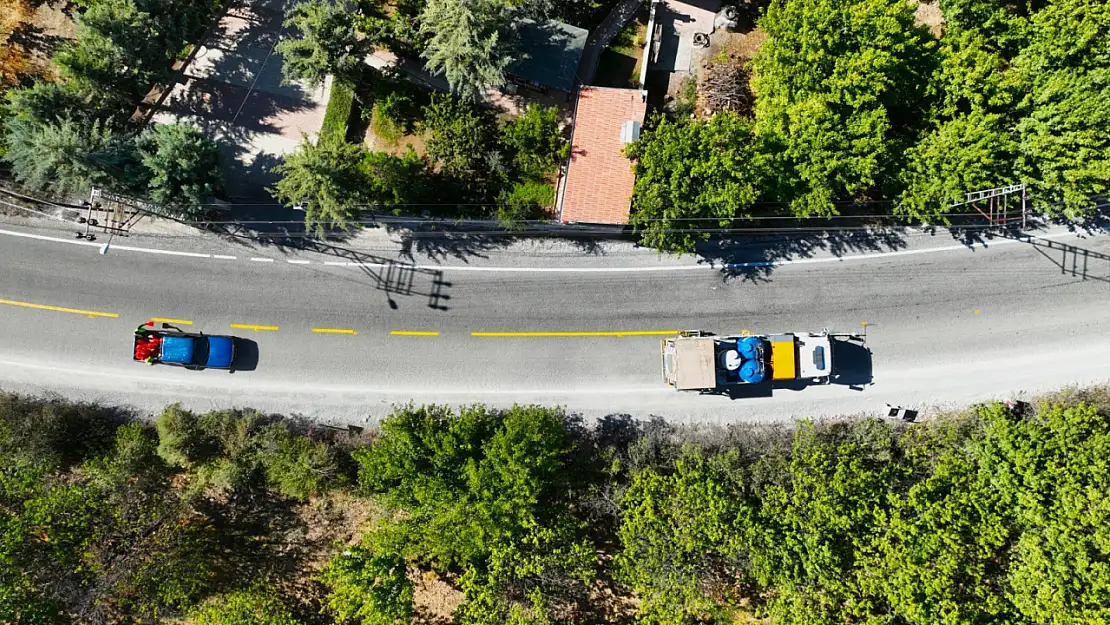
333	331
76	311
414	333
180	322
247	326
559	334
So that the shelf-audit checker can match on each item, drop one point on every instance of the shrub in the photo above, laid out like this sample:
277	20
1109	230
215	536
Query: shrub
297	466
526	200
390	116
536	143
340	101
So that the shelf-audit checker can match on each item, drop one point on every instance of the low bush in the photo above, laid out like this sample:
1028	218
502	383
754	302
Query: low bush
391	116
338	114
531	199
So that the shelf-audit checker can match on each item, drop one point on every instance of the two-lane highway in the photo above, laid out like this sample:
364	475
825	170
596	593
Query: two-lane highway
342	340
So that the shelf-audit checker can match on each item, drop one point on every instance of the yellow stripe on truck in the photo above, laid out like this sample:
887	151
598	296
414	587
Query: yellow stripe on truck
784	364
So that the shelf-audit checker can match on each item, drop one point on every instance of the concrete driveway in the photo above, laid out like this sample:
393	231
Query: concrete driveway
233	89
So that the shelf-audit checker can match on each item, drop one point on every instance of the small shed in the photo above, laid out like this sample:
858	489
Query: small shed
549	54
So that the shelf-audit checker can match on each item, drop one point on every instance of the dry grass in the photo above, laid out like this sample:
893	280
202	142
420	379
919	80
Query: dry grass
434	600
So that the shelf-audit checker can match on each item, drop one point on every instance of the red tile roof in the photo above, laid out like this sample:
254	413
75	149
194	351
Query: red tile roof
598	187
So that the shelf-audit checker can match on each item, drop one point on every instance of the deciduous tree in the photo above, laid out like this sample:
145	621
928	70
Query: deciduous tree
692	177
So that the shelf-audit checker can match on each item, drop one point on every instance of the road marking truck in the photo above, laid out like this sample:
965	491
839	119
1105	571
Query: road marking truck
703	362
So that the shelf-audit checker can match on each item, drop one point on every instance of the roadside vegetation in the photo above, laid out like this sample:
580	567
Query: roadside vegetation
860	110
76	123
529	515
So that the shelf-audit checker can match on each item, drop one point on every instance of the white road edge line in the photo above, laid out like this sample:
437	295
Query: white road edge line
225	257
664	268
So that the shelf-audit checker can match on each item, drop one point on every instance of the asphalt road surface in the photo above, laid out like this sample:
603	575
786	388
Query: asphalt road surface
343	338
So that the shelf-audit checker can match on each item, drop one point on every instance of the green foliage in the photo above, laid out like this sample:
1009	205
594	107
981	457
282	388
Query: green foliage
369	585
1053	472
390	117
834	81
1068	34
233	451
329	43
458	136
54	432
44	102
297	466
1065	139
393	180
535	142
326	178
110	528
65	156
525	201
183	165
338	112
691	176
967	152
483	492
676	532
467	42
124	46
255	605
1001	25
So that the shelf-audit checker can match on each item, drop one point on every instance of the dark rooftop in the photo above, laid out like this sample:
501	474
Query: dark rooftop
550	52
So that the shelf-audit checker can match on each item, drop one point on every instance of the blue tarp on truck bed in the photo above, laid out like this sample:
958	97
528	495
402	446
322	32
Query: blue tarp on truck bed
177	349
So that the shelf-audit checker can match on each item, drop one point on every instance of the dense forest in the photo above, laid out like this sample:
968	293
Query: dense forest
858	108
529	515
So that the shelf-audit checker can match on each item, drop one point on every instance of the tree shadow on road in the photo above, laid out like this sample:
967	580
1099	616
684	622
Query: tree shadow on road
755	258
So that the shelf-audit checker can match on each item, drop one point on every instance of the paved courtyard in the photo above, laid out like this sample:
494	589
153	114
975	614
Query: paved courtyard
233	89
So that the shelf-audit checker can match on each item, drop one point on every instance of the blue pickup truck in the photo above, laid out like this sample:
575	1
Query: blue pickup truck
184	349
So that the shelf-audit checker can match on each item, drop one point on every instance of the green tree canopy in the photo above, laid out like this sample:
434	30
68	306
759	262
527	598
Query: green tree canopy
65	156
257	604
966	153
535	142
125	46
329	43
1065	142
184	167
692	177
326	178
483	493
836	81
467	41
458	137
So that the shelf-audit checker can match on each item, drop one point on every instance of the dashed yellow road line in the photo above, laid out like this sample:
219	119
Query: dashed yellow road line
247	326
617	333
334	331
178	322
414	333
76	311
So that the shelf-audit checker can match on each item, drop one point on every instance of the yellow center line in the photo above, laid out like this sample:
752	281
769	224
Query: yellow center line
414	333
76	311
617	333
180	322
334	331
247	326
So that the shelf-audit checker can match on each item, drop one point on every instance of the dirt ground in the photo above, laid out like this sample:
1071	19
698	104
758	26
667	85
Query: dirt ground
928	14
29	36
